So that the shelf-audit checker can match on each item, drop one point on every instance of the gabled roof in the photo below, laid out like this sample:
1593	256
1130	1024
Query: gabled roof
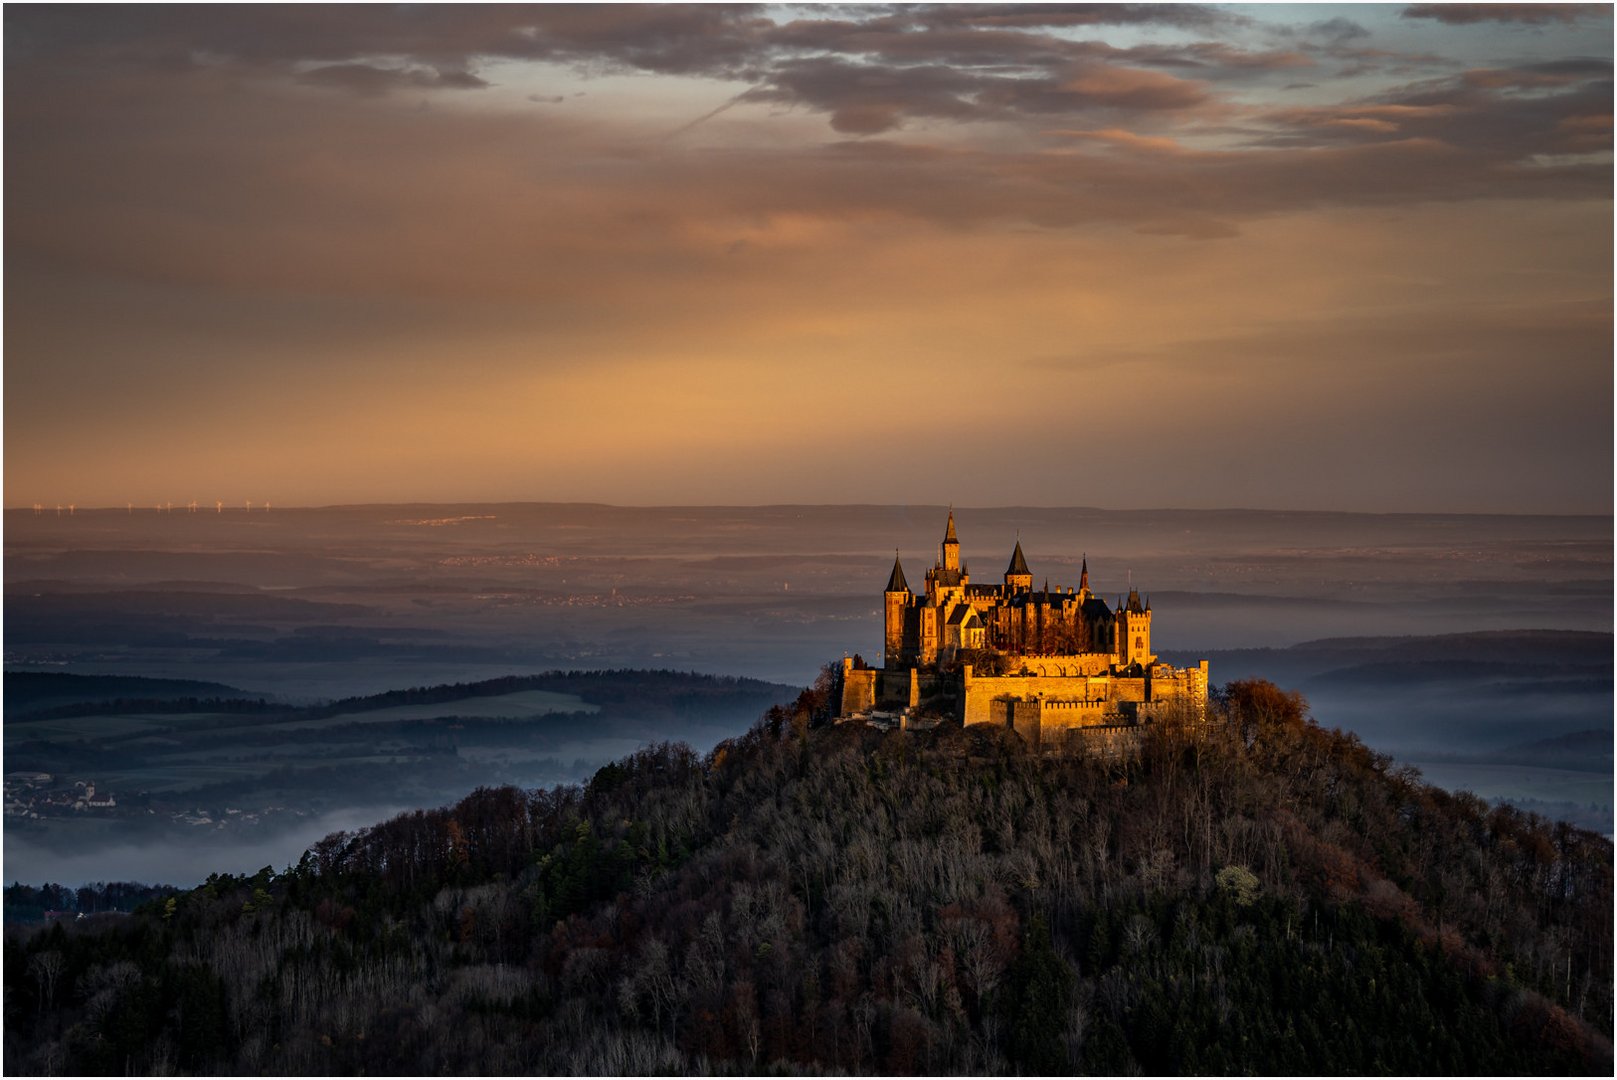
895	581
1018	563
965	615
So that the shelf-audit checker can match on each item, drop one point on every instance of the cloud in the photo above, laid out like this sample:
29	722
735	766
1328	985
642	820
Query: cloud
963	62
1048	16
1527	14
372	79
1336	30
215	206
1554	73
866	119
1123	138
1134	88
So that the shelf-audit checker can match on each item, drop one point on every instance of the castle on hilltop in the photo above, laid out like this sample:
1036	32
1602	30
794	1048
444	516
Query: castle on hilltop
1043	662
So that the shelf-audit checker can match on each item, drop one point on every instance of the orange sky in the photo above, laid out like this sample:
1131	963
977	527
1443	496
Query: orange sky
1312	257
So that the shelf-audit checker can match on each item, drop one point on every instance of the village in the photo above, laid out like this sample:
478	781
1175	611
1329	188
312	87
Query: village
42	796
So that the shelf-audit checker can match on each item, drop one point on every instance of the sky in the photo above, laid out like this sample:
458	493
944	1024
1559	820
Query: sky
1314	257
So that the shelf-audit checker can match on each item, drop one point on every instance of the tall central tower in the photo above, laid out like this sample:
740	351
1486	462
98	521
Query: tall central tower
951	545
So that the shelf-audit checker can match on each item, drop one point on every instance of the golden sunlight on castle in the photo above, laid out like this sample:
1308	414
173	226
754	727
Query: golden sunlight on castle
1047	663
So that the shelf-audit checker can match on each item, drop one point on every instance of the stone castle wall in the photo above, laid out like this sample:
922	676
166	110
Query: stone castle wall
1080	700
1094	663
858	689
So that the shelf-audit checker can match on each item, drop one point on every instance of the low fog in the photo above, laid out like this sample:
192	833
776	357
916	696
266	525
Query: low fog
1450	641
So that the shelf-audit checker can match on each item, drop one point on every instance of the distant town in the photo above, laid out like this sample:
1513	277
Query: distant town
42	795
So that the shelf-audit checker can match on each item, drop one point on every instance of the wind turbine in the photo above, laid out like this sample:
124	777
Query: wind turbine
218	506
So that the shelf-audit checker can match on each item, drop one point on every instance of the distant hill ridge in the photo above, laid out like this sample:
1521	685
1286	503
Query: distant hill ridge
35	695
36	689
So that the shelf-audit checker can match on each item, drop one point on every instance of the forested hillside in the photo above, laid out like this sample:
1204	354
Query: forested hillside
1252	894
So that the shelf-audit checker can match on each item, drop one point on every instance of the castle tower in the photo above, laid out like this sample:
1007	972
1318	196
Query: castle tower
1083	580
951	545
896	606
1134	632
1018	578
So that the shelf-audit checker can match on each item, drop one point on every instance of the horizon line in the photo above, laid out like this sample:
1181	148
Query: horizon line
51	510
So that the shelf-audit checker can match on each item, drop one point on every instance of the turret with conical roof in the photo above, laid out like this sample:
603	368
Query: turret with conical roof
1018	578
895	580
897	615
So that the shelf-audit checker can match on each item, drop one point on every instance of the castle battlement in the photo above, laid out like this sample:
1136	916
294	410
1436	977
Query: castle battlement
1038	661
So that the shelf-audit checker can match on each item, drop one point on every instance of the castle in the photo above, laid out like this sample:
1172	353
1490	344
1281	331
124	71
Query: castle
1045	662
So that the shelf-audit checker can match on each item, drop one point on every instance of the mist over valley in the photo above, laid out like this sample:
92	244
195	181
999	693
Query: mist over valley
1450	641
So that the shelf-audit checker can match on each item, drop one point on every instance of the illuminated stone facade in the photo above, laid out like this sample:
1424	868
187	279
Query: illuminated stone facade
1040	661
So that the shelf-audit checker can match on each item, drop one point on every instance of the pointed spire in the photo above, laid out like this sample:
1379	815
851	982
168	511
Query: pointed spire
1018	563
1083	575
950	548
895	581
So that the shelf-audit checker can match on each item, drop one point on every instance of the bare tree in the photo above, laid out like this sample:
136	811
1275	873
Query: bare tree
46	968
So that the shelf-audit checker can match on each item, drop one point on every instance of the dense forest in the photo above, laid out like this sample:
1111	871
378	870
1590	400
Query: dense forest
1247	894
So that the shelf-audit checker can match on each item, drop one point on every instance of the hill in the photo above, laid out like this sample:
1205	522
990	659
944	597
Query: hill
33	691
1542	654
1255	894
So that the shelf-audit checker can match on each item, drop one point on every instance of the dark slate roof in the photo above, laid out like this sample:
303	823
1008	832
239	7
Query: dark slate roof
1018	563
1097	609
896	582
948	533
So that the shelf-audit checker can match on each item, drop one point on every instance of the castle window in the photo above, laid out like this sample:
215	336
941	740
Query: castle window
1139	643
